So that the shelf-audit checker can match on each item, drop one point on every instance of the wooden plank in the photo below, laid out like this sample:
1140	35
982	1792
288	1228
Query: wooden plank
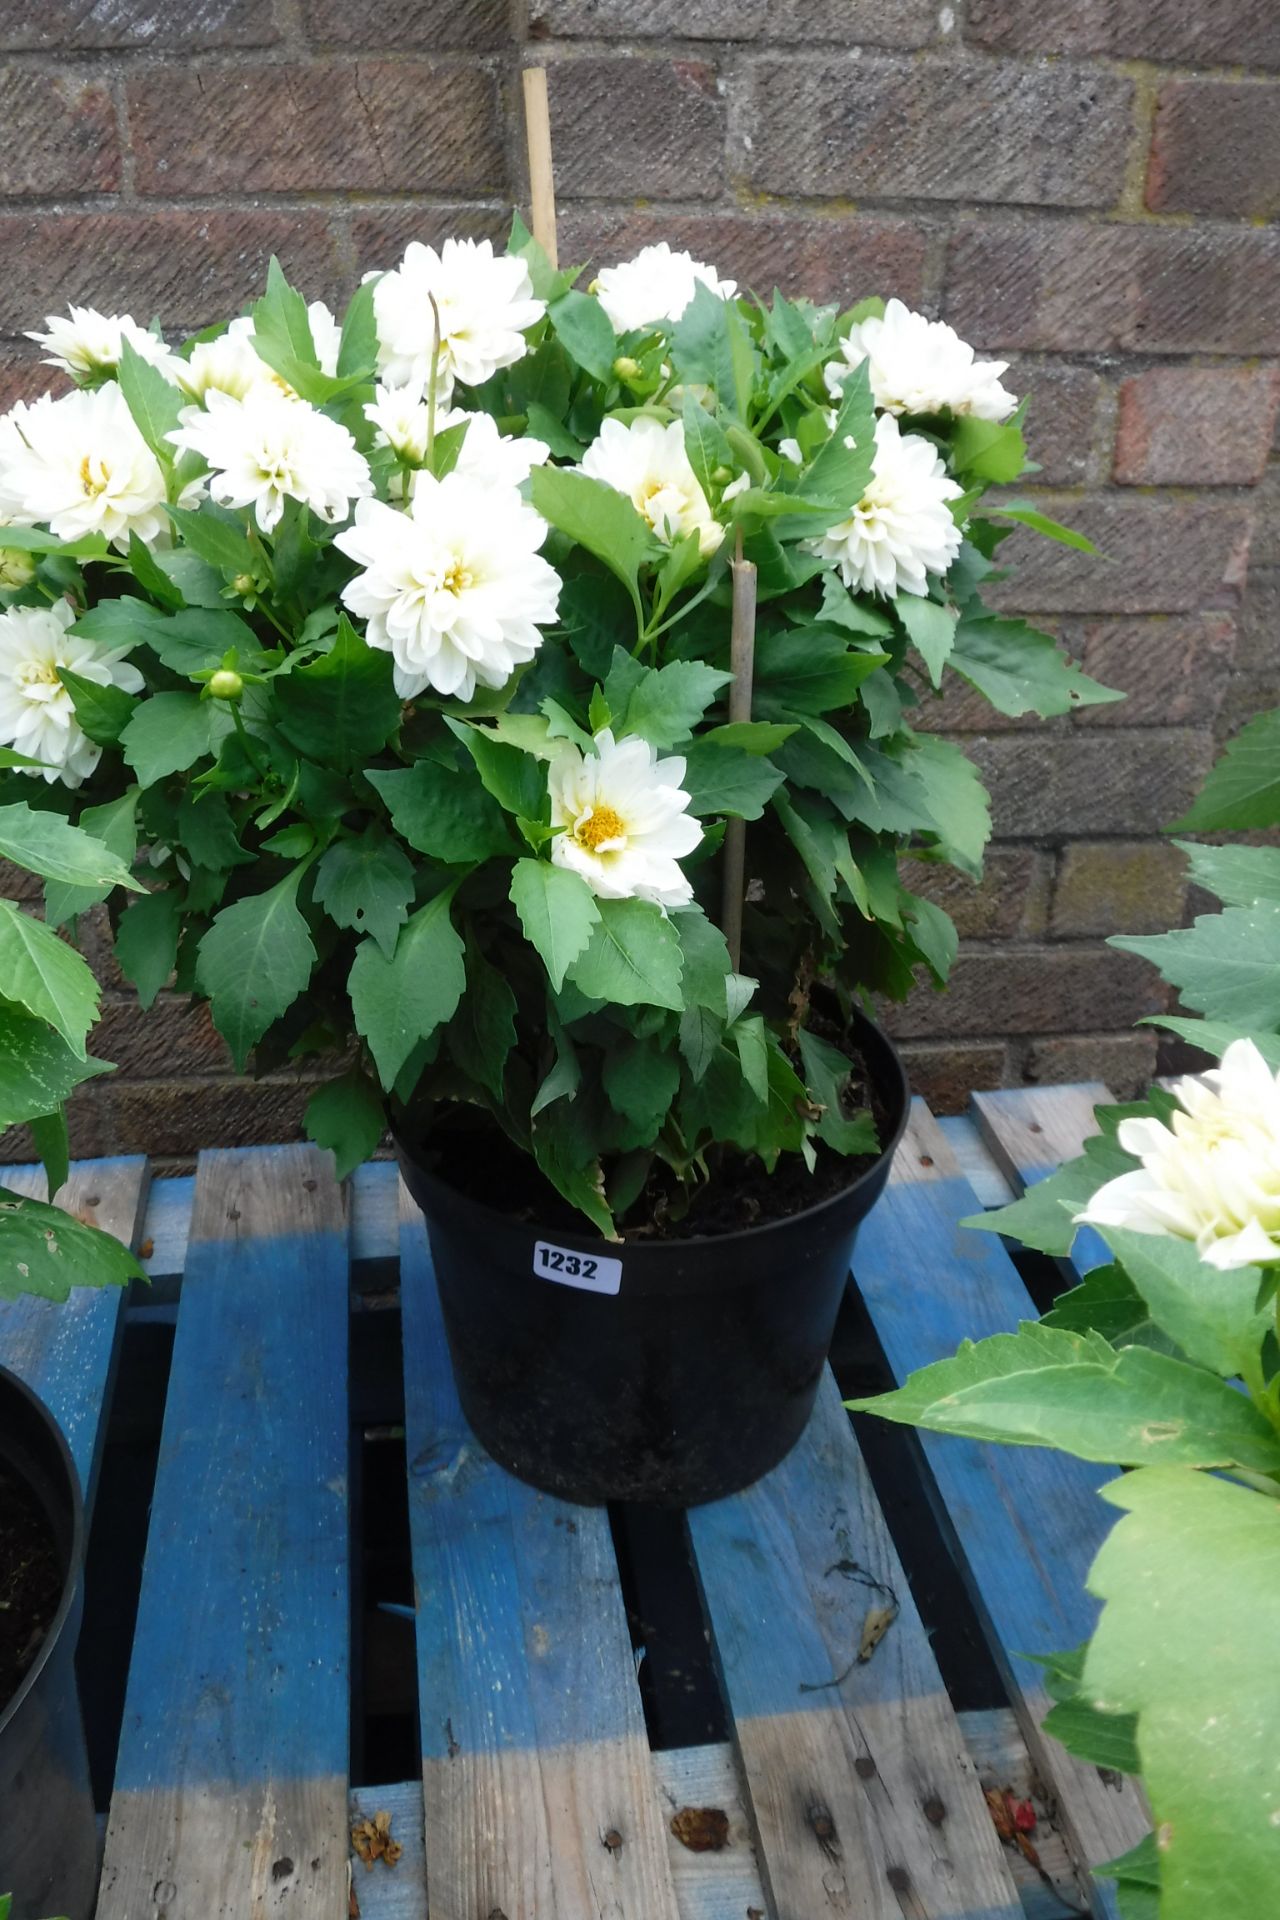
383	1892
866	1802
1027	1522
536	1776
977	1162
1030	1131
167	1225
1049	1888
231	1782
66	1351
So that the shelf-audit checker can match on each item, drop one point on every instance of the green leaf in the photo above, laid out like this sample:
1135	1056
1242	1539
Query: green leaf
706	964
1043	1217
705	444
640	1080
206	829
542	424
151	577
1020	670
343	707
366	884
599	519
282	337
216	537
483	1030
170	732
557	912
584	331
1137	1877
752	736
565	1076
827	1072
1243	788
38	1070
445	813
49	1133
1208	1314
102	712
1025	515
840	609
700	1032
348	1117
147	942
1107	1302
1223	965
47	977
400	1001
1103	1739
931	629
358	348
957	799
45	1252
665	704
1190	1581
632	958
839	472
46	844
988	449
725	780
1045	1387
154	402
1215	1037
554	1143
807	670
254	962
515	779
1236	875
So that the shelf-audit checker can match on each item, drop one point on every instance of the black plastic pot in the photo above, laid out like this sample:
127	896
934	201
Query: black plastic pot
48	1840
688	1379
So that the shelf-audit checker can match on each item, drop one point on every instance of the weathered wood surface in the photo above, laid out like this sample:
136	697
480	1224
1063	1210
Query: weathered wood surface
866	1802
1030	1131
231	1783
66	1351
537	1785
1027	1522
1048	1884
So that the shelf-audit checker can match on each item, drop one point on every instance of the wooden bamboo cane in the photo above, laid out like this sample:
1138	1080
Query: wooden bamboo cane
542	184
742	658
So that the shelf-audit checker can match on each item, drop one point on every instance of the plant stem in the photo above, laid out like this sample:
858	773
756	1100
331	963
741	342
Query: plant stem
742	663
434	381
251	751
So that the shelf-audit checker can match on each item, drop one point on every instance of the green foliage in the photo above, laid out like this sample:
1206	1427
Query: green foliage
46	844
147	942
557	912
254	962
341	708
47	1253
367	884
38	1069
346	1115
1243	789
44	975
1224	965
632	957
401	1000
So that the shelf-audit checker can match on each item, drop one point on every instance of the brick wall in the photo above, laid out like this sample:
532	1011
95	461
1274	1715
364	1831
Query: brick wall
1084	189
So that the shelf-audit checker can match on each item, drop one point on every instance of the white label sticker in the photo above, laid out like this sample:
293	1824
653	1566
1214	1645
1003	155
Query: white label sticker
593	1272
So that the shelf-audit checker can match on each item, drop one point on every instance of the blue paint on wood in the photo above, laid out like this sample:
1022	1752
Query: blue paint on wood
1089	1249
166	1226
240	1672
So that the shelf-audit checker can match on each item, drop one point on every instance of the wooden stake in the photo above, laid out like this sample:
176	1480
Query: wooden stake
742	660
542	183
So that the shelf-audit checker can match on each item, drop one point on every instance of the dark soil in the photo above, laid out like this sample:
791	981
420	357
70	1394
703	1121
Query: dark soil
30	1581
468	1151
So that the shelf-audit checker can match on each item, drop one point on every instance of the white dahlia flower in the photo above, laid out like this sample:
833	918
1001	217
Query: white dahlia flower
921	366
78	465
268	448
648	463
656	286
455	588
88	344
36	713
902	529
625	820
230	363
485	302
1213	1174
326	337
400	415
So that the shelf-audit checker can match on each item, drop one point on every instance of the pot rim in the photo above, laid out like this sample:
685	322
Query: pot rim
12	1384
899	1086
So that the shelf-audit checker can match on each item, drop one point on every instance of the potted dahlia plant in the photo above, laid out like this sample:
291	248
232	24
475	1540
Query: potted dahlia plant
507	696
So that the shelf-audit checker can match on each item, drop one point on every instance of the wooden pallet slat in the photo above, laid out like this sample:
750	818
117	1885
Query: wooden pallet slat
231	1781
1031	1131
1027	1522
865	1799
537	1785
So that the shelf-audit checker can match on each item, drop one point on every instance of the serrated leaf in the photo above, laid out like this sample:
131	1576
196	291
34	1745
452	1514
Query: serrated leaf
1043	1217
358	347
52	1144
827	1072
399	1001
348	1117
1238	876
808	670
1210	1315
700	1032
839	472
1215	1036
931	629
38	1070
665	704
1107	1302
707	966
253	963
46	1252
988	449
154	402
1103	1739
640	1079
1223	965
46	844
443	812
557	912
704	443
206	829
957	800
366	884
101	712
217	538
146	943
599	519
632	958
47	977
482	1032
1020	670
1242	790
1025	515
584	331
515	779
726	780
342	708
171	731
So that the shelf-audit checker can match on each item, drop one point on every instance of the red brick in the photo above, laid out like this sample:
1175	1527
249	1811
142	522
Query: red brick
839	257
1258	646
375	125
88	1129
166	1041
190	268
960	708
1215	149
16	883
185	1116
24	376
434	26
1177	32
1154	556
1196	426
59	134
1118	886
1124	1062
381	234
1010	898
1071	288
945	1076
1024	989
52	25
1062	418
627	127
1043	136
1173	670
908	23
1062	787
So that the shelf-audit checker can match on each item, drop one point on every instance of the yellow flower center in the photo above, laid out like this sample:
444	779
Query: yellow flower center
93	483
38	673
458	578
601	824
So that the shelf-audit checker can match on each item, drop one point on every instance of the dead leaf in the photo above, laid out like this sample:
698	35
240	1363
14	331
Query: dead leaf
874	1628
371	1839
701	1829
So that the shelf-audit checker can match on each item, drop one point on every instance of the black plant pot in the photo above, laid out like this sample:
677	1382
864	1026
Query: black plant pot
48	1840
665	1373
